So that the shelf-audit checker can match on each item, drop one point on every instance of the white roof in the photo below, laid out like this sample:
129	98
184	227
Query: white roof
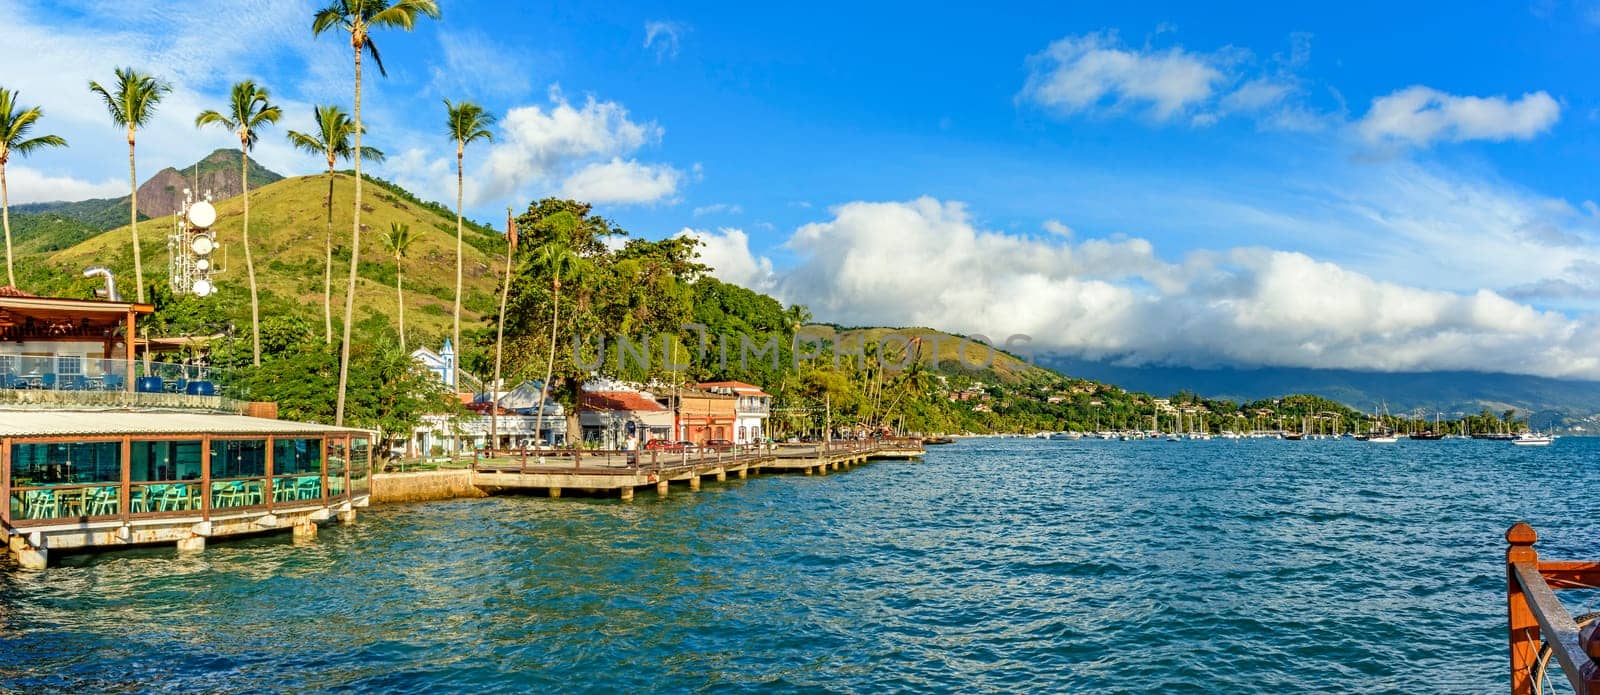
59	423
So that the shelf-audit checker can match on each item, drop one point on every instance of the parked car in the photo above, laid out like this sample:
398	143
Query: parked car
719	445
662	445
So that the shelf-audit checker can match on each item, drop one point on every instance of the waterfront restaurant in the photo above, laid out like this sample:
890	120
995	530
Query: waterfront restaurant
87	478
89	459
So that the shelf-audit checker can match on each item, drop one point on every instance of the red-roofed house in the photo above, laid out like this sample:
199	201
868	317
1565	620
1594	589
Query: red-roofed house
608	417
750	411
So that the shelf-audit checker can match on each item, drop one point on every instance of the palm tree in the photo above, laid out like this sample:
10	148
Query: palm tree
132	104
332	141
248	112
358	18
468	123
556	258
15	122
500	333
399	240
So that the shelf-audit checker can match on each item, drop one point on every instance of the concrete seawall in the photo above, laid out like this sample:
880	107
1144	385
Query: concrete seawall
423	486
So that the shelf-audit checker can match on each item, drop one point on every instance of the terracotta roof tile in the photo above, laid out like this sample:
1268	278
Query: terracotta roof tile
620	400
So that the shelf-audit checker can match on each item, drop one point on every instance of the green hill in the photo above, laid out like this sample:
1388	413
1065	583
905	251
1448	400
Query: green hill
288	219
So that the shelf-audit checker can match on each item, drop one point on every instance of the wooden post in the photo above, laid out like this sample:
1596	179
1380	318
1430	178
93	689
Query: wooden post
662	486
694	482
627	493
128	348
1523	627
555	492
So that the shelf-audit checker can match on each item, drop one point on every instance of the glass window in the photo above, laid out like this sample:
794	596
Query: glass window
238	458
66	463
175	460
69	364
296	456
8	364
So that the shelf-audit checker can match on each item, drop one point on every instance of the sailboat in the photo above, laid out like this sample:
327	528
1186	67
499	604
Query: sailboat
1430	435
1380	433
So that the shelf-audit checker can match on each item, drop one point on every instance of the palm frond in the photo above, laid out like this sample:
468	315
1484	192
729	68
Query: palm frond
403	14
306	143
330	17
27	146
372	50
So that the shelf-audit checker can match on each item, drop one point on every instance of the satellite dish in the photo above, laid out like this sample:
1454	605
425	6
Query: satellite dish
202	245
203	288
202	265
202	215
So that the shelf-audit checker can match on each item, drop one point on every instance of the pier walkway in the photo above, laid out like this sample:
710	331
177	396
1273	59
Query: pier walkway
622	472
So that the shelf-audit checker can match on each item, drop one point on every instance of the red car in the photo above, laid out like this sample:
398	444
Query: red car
718	445
662	445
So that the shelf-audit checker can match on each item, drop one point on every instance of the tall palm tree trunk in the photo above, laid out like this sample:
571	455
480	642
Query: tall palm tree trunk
400	297
550	365
355	250
455	330
499	338
327	268
5	219
133	221
249	260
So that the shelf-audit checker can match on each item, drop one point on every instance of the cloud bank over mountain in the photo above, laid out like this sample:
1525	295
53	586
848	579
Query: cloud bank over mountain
928	262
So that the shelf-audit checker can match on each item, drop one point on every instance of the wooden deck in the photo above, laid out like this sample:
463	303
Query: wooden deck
622	472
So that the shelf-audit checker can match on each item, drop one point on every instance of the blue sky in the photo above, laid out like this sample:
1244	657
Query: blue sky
1391	186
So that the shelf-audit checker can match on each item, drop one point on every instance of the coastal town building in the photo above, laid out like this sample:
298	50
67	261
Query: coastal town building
106	447
703	416
750	410
441	363
609	418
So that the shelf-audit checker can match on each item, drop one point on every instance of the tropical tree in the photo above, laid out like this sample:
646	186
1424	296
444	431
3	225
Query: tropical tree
132	103
332	142
468	123
15	122
557	259
358	18
248	112
399	240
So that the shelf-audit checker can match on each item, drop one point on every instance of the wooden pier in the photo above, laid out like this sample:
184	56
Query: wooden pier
623	472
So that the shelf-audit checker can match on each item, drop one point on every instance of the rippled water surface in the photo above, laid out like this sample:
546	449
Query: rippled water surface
995	565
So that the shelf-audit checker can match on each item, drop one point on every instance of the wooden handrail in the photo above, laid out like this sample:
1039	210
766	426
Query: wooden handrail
1534	612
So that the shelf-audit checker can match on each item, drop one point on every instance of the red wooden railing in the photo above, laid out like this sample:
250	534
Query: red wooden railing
1539	626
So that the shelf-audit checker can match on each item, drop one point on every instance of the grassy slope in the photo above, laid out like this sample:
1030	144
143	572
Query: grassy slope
287	221
1007	369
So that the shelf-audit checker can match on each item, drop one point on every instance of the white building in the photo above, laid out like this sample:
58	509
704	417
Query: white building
441	363
751	410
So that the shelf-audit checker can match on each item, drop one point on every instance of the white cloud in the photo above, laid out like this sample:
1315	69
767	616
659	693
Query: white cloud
619	181
1115	298
470	63
29	186
663	36
1082	73
727	253
718	209
1420	115
1058	228
537	144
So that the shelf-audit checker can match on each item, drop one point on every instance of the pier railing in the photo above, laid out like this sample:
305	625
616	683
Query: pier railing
1540	628
610	460
619	461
